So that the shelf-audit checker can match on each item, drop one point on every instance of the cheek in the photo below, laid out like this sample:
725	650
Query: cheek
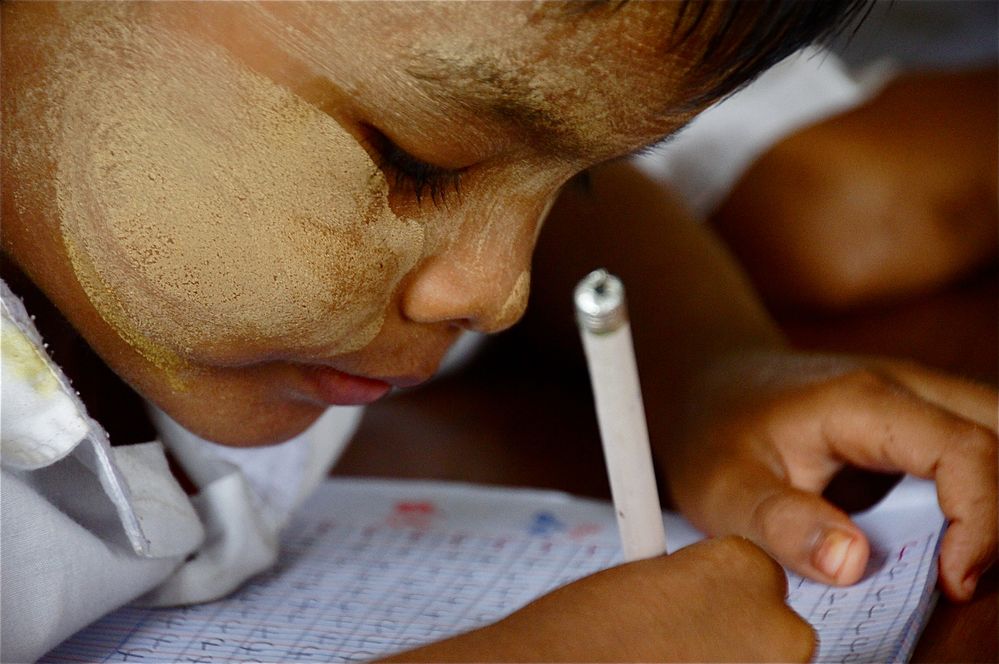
215	216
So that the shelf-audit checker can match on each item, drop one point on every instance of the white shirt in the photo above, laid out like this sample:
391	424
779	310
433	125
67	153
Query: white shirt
704	161
86	527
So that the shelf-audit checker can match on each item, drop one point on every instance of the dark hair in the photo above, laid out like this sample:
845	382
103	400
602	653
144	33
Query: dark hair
747	37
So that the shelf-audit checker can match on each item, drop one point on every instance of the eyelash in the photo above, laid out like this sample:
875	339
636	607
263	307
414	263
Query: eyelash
416	175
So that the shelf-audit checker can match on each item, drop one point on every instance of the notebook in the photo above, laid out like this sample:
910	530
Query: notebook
370	567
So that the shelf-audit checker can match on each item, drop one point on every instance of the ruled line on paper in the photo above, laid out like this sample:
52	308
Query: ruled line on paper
370	567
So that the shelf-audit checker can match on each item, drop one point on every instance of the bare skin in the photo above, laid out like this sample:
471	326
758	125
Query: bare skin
574	623
477	245
480	246
750	431
893	199
471	275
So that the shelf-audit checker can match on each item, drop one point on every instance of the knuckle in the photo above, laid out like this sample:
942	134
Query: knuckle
753	562
980	442
719	552
780	521
766	517
739	548
866	381
801	641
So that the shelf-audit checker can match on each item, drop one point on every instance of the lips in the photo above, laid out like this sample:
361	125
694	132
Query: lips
342	389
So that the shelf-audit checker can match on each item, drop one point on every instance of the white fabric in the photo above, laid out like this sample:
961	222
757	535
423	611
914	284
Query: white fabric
57	575
239	545
44	421
280	476
246	496
86	528
705	160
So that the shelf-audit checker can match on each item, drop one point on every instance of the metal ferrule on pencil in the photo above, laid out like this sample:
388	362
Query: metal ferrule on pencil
600	302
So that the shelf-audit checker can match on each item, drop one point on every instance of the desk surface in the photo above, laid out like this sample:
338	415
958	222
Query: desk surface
489	425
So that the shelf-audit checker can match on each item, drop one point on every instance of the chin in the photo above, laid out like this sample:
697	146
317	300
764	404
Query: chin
251	429
277	433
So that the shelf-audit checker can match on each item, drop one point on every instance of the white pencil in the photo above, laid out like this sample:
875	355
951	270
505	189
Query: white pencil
603	324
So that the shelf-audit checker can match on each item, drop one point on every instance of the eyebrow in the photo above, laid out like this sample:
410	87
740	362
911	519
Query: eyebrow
485	84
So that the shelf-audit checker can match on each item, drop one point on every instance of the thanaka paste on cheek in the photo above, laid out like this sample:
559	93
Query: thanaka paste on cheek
212	216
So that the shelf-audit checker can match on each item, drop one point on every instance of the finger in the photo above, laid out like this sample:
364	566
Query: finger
974	401
801	530
888	428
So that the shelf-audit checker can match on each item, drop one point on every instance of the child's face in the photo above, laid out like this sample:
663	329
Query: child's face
243	192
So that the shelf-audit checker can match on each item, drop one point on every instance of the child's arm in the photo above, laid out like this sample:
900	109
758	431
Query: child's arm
718	600
749	432
834	215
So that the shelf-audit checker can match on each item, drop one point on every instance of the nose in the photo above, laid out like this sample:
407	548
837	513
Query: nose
480	280
476	293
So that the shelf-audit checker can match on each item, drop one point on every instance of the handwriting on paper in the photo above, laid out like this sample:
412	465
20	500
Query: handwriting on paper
368	568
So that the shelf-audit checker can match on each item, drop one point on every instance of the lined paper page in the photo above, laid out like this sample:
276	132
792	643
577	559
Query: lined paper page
370	567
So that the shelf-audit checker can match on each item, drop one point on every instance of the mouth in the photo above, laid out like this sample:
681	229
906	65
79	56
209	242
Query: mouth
337	388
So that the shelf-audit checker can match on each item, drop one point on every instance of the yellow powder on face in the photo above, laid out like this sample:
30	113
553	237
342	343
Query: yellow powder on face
210	213
587	79
516	302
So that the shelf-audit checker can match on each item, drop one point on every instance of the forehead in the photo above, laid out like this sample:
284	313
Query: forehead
590	77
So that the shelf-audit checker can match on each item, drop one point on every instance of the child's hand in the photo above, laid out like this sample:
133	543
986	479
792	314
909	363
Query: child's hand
768	433
718	600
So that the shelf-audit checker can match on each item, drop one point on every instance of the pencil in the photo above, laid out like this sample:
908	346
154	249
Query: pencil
602	315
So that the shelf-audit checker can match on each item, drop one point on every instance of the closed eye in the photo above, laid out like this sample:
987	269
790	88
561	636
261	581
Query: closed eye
414	175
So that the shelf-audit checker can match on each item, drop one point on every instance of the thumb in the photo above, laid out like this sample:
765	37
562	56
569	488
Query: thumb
805	533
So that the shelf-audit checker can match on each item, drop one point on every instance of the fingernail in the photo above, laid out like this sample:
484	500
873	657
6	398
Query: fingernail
832	552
